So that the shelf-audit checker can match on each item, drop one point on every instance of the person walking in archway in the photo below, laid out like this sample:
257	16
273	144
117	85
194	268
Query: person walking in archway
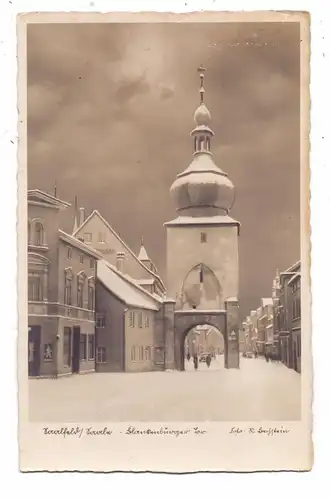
188	356
208	360
196	362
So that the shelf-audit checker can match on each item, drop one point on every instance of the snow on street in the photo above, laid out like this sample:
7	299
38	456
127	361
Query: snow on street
257	391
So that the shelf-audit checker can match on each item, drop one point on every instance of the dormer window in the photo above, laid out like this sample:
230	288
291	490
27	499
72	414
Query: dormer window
69	253
81	258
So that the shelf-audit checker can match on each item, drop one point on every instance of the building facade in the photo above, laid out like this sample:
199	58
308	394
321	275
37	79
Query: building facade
97	233
131	324
61	293
264	326
277	322
287	351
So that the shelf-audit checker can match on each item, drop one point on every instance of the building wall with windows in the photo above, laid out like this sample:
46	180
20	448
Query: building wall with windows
54	310
139	340
43	225
110	331
295	286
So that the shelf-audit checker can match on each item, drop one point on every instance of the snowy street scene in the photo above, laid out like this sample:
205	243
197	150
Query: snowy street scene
258	391
163	223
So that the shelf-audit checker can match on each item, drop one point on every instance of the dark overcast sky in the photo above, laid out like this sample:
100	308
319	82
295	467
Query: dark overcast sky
110	110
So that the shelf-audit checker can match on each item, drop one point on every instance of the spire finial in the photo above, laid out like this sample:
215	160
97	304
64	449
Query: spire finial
55	189
201	70
141	241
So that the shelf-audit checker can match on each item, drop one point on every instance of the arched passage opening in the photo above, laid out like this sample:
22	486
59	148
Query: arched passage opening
204	348
185	321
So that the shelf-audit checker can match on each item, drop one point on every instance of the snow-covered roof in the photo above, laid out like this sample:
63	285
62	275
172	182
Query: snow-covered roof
67	238
293	268
144	281
124	288
205	221
34	195
106	223
294	278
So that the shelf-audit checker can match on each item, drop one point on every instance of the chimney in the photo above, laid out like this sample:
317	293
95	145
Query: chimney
81	216
120	261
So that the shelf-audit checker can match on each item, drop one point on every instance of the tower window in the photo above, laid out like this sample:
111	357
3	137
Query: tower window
203	238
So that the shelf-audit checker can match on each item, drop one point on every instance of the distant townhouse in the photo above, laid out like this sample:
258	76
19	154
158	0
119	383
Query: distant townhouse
264	324
285	314
294	285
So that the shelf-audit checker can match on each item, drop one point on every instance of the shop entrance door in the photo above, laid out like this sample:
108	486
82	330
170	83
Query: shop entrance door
75	349
34	340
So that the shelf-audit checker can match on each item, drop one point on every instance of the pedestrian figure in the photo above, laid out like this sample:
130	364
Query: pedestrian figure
267	357
195	361
188	356
255	354
208	360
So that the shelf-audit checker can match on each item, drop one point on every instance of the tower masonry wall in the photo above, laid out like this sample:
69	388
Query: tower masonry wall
218	251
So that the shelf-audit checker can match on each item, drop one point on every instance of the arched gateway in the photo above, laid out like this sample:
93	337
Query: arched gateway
185	320
202	247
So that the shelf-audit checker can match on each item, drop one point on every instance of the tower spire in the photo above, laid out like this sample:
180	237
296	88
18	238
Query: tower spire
201	70
55	189
202	133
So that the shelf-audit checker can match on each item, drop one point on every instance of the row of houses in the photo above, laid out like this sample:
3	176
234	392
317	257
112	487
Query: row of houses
275	326
93	304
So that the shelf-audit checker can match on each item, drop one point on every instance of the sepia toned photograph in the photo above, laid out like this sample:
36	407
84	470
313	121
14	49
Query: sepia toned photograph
164	264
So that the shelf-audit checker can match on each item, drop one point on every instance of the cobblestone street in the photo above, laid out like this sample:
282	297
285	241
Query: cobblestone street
257	391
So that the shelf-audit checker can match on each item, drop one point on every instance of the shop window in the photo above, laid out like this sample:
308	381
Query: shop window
100	321
203	238
91	347
100	354
83	347
67	346
141	353
140	320
133	353
147	353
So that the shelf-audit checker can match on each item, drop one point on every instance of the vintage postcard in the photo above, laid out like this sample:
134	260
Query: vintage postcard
164	242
